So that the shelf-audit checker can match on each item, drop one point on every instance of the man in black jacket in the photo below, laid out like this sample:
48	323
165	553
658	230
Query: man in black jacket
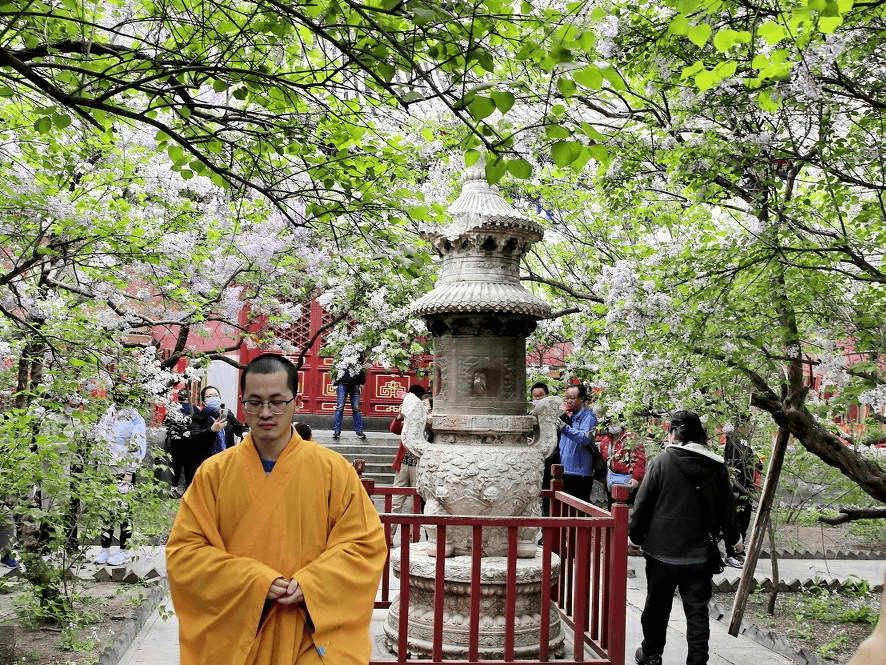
684	501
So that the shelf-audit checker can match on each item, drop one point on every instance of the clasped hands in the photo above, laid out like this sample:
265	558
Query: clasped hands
285	592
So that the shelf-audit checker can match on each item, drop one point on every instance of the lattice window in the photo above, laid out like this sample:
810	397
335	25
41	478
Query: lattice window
299	333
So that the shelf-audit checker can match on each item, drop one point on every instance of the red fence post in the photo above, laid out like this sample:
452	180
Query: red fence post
618	575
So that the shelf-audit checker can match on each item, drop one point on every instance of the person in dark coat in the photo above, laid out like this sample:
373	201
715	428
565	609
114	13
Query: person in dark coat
685	497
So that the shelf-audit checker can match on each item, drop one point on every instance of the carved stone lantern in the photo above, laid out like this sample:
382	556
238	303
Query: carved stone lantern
487	454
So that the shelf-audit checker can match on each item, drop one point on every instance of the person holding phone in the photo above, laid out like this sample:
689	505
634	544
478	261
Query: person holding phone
214	424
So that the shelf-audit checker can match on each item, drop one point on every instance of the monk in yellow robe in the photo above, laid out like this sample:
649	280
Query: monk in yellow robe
276	551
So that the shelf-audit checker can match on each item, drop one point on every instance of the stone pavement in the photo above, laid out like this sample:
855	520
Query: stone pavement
157	642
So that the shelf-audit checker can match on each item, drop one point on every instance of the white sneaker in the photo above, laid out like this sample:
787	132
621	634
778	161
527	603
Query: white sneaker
118	558
734	561
103	555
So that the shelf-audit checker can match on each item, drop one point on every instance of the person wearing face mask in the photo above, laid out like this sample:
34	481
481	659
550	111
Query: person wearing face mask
625	458
212	430
215	423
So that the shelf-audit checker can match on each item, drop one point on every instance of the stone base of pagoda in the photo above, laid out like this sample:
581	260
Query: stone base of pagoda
457	607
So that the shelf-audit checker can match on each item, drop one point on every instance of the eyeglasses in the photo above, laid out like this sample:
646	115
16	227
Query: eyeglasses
254	406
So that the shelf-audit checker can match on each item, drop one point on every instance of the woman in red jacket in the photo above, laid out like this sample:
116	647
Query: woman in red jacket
625	458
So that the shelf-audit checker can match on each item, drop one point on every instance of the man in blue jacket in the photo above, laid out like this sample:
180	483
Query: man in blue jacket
577	446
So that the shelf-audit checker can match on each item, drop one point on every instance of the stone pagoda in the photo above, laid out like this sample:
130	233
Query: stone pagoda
487	455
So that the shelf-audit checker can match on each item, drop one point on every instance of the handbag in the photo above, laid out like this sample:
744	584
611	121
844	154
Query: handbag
396	426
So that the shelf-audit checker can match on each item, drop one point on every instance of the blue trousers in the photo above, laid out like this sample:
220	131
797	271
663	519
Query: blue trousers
342	393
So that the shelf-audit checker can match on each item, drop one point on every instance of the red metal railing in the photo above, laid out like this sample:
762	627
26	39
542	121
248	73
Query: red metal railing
590	594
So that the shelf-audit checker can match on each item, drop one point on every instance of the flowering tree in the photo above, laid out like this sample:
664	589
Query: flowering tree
728	241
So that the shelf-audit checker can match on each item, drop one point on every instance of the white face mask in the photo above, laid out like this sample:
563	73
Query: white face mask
213	402
536	402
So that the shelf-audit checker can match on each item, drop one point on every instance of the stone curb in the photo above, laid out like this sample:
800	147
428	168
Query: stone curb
849	555
730	586
124	638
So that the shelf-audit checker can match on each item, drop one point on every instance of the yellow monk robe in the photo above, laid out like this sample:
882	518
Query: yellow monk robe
238	530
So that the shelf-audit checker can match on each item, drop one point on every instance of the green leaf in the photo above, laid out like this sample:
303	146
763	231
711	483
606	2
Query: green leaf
557	132
691	70
176	153
6	91
385	71
829	24
679	25
503	100
418	213
220	86
471	157
614	78
760	62
706	79
726	39
565	152
772	33
484	58
769	100
61	120
592	133
43	124
520	168
566	86
699	34
726	69
495	170
590	77
481	107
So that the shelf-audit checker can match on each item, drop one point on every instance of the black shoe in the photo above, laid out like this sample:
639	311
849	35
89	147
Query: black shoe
361	435
336	435
643	659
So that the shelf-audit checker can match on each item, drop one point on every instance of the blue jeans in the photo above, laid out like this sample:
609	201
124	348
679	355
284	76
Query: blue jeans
342	393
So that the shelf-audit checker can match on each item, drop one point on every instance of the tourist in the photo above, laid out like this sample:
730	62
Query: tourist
625	459
178	441
683	502
304	431
538	392
404	462
349	385
122	429
214	426
744	471
277	550
577	447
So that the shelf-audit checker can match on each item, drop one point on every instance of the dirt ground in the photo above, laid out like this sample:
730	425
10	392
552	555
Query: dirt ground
102	609
810	620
